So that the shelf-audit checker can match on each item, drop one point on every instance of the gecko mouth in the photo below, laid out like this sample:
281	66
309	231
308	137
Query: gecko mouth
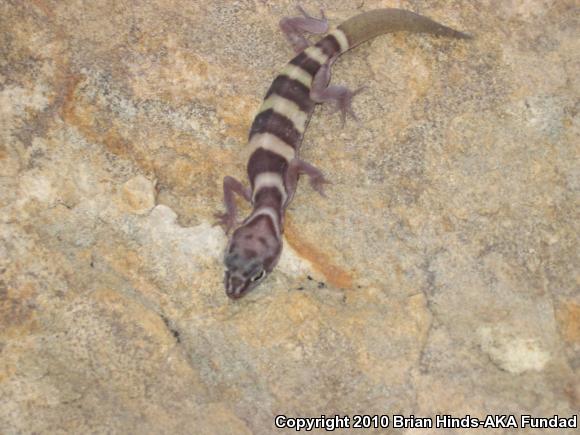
235	287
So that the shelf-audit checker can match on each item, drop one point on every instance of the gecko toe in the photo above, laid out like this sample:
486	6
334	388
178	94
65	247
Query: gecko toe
225	221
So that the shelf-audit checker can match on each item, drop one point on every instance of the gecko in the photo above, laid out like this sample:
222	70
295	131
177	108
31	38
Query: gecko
274	165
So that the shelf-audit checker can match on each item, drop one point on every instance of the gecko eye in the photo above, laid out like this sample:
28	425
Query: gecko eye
257	277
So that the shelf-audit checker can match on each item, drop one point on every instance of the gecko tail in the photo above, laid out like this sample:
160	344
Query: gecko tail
369	24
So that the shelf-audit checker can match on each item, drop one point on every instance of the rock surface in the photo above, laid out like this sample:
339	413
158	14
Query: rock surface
439	277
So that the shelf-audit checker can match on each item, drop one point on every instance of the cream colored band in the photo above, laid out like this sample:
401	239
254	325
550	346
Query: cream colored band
287	108
271	143
266	211
317	54
341	38
269	179
298	74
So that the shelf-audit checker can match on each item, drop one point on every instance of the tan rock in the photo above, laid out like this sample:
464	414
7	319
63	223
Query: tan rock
568	316
439	276
139	195
513	354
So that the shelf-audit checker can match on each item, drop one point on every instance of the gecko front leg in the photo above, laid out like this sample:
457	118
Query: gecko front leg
298	166
322	92
228	219
295	27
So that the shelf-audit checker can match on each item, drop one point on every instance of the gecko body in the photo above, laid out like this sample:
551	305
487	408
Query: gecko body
277	131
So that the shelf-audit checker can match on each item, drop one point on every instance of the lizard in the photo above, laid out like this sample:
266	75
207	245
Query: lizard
274	166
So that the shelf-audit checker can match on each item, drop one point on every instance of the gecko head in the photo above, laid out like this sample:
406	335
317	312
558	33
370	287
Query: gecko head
252	253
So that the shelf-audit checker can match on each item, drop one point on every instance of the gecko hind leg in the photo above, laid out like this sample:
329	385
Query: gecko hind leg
295	27
341	96
297	167
228	219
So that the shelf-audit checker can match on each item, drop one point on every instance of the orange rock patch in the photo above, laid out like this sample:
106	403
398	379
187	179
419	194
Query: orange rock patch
334	274
568	316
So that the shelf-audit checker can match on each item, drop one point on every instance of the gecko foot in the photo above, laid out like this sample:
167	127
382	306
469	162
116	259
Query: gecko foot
226	221
342	98
315	175
295	27
317	183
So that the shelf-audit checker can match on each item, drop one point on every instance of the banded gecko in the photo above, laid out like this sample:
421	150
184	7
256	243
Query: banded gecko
276	133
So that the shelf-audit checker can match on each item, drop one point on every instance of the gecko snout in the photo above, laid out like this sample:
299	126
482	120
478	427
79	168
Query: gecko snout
234	286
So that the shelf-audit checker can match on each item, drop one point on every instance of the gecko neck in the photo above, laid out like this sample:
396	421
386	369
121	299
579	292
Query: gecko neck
269	203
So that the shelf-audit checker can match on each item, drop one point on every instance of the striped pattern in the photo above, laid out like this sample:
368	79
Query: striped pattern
341	39
277	130
270	142
263	160
291	90
267	180
296	73
272	213
279	125
316	53
287	107
269	196
307	63
326	48
276	134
